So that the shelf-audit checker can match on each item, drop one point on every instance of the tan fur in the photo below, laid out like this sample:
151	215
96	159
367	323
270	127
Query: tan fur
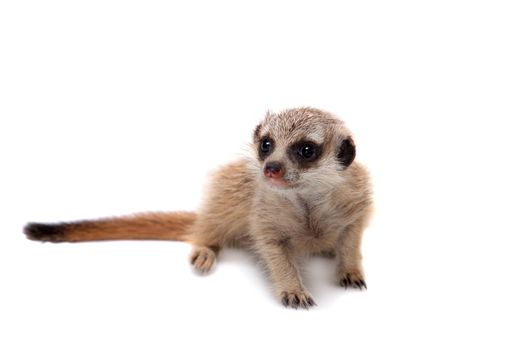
324	210
143	226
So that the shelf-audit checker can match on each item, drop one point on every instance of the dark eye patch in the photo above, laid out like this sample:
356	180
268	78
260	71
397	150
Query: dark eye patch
305	153
265	147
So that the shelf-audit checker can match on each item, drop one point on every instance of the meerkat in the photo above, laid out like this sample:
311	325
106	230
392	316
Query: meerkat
300	193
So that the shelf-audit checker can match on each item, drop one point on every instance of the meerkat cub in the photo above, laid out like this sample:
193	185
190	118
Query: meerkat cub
299	194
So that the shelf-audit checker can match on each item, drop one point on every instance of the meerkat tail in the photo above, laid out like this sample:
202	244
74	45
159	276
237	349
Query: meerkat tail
147	226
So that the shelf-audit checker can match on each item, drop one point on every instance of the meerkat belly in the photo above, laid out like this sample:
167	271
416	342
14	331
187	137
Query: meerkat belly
321	228
319	235
311	243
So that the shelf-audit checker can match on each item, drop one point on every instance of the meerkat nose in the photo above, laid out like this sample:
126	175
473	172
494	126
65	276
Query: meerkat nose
273	170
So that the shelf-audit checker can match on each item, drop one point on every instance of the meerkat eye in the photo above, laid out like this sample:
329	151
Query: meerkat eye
307	151
266	145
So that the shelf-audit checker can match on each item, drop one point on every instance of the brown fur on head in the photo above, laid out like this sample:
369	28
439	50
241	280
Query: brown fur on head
302	148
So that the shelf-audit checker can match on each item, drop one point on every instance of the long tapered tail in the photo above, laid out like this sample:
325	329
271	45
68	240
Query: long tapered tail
146	226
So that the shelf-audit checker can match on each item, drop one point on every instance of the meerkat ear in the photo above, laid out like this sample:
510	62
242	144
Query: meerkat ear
346	153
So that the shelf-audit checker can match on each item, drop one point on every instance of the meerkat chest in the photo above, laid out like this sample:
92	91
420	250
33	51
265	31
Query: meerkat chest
308	225
321	221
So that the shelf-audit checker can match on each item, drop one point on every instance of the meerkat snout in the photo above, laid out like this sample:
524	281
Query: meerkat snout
275	174
273	170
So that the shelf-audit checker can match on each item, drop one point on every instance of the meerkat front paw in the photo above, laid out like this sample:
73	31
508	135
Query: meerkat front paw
203	259
353	278
297	299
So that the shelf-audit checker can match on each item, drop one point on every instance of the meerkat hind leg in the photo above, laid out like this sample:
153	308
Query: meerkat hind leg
203	258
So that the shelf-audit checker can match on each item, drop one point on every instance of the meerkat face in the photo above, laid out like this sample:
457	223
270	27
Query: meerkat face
302	148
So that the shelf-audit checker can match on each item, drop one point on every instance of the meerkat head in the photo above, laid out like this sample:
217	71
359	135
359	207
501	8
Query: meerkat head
301	149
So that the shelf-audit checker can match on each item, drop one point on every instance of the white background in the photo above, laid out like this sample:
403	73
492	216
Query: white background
112	107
